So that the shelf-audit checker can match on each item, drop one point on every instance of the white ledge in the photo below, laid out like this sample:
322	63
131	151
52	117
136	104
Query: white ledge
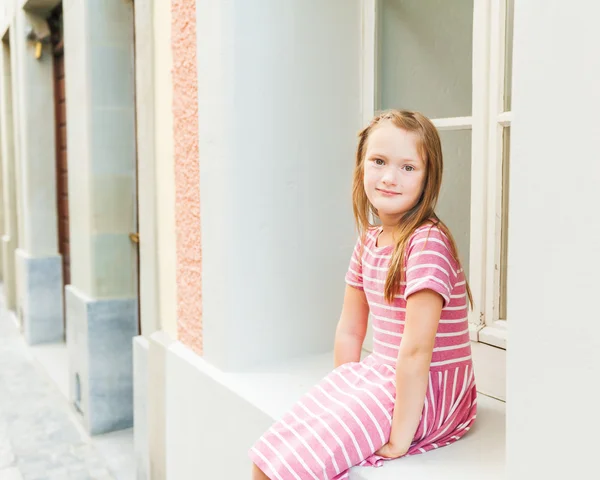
478	455
275	388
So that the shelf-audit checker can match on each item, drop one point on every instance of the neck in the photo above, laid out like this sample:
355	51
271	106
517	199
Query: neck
389	224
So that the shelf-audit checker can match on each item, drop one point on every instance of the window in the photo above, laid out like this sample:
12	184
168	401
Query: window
453	62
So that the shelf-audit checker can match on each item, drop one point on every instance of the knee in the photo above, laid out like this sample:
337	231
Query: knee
257	473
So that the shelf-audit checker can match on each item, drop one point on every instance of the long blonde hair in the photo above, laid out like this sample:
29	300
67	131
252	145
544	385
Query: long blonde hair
430	149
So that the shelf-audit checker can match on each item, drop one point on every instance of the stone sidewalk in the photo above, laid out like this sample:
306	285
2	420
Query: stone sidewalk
40	438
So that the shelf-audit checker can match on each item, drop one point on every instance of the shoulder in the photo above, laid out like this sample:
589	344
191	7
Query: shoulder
431	241
427	232
371	234
369	238
364	242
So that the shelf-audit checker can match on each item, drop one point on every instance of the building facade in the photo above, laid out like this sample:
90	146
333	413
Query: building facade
176	208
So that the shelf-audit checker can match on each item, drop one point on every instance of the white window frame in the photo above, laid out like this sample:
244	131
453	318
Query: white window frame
488	333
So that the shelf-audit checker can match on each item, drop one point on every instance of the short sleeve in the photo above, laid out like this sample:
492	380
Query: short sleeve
354	273
430	264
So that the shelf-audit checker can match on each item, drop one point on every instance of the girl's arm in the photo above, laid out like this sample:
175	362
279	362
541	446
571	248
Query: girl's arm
352	327
423	311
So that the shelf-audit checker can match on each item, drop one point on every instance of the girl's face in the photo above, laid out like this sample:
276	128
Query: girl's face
394	172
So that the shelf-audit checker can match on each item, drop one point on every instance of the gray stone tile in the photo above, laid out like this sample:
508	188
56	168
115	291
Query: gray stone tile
10	474
103	356
39	436
41	297
7	457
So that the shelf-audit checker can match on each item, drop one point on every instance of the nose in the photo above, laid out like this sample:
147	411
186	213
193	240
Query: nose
389	176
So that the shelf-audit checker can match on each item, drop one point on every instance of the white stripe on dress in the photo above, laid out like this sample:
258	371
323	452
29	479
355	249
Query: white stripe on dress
349	410
429	266
443	397
305	443
452	347
454	334
365	379
373	397
264	459
293	450
437	254
387	332
333	434
421	280
281	458
449	362
364	407
386	319
342	424
319	439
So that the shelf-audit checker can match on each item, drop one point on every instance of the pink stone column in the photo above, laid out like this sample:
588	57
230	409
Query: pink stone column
187	180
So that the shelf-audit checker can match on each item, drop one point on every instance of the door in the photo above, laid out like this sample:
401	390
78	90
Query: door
62	184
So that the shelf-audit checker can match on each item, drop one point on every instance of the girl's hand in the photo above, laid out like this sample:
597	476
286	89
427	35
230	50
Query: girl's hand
390	450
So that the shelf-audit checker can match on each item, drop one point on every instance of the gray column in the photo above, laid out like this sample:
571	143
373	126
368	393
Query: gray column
38	264
101	301
279	109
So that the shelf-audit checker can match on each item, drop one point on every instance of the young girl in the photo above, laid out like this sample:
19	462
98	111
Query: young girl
416	391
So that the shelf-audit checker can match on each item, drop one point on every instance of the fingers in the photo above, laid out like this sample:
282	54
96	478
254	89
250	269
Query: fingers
384	451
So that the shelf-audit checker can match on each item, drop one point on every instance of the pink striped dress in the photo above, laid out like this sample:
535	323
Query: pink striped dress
346	417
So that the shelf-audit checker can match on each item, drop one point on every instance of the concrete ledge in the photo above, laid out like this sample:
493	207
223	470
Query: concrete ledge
208	408
159	344
39	294
210	426
99	340
478	455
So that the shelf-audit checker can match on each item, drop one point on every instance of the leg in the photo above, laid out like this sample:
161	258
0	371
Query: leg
257	473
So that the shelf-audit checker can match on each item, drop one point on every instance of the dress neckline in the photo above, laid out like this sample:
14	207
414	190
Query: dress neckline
384	248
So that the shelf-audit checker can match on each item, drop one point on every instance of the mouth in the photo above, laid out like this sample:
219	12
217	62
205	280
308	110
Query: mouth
387	193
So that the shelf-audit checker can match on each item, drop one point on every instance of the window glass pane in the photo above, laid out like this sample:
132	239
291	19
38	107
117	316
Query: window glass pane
425	55
510	19
504	226
454	204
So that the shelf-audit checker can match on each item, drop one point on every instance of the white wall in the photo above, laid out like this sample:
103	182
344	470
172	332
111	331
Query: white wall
165	170
10	230
146	164
7	8
554	242
279	109
79	145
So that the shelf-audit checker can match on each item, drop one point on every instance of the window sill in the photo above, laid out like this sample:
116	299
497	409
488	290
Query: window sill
495	334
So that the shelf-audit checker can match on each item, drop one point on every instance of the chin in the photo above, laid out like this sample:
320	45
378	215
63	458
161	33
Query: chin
383	212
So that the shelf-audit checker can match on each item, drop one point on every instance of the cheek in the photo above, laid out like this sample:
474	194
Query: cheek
369	178
416	184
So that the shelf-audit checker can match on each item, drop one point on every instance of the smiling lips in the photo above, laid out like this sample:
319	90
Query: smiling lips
387	193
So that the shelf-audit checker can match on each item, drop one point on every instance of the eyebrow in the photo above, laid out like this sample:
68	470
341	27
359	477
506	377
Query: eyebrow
406	159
